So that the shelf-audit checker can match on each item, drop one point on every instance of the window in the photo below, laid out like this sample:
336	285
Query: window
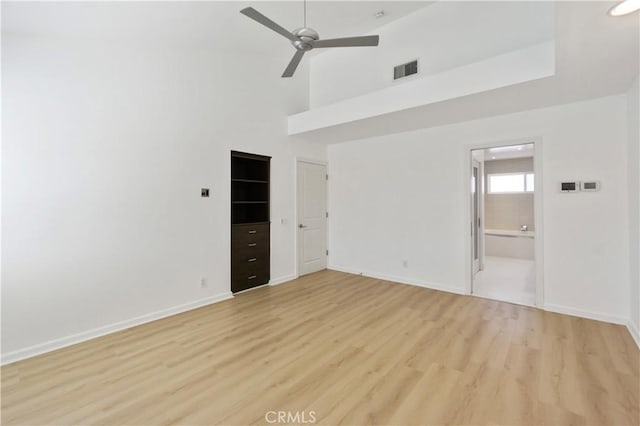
510	183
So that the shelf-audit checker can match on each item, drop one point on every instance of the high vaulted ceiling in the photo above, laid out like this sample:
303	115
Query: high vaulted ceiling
217	24
596	55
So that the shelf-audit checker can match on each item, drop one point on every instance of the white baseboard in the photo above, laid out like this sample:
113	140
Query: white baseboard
401	280
73	339
547	307
633	330
283	280
584	314
143	319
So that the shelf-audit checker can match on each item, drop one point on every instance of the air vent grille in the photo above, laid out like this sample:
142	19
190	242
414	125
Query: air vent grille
405	70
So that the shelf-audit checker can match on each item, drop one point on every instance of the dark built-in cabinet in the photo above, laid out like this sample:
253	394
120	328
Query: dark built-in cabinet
250	235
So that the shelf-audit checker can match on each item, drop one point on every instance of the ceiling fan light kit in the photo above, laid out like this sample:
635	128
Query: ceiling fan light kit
305	38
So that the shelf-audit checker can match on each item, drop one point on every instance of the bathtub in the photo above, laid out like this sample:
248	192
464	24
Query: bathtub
509	243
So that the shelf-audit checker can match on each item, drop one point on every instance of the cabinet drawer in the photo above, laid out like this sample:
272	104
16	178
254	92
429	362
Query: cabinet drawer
247	248
252	260
244	235
243	271
245	280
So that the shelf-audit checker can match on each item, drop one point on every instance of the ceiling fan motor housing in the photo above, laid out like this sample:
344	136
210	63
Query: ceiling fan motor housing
306	36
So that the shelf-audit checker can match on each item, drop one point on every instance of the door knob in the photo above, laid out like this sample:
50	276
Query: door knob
302	226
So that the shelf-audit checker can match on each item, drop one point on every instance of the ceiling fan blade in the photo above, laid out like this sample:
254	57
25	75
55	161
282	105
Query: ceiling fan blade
259	17
291	68
371	40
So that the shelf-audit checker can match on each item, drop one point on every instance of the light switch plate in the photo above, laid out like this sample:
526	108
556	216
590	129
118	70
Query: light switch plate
591	186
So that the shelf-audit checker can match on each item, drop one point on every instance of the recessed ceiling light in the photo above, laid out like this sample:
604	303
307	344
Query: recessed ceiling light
624	8
379	14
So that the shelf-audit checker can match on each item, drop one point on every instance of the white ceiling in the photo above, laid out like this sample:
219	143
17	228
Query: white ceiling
443	36
217	24
596	55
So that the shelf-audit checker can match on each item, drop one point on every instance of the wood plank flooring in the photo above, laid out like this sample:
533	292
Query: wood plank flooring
352	350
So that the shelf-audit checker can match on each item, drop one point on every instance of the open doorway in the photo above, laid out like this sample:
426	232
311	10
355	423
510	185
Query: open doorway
503	223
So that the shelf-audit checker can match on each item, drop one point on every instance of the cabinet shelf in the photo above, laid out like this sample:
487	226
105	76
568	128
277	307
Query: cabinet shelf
249	181
250	202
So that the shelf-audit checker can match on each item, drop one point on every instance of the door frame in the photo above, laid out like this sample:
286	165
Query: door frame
477	237
538	210
297	161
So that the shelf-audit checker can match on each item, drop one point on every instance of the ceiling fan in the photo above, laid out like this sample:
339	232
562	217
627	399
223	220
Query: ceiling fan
305	38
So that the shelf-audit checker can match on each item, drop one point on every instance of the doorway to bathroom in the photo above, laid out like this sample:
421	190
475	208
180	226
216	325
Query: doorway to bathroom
503	223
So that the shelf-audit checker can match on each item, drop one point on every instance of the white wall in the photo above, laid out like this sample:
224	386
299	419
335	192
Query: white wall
442	36
106	147
402	197
634	206
524	65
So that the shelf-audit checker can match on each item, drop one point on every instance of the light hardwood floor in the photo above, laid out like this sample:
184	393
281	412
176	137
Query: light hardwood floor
353	350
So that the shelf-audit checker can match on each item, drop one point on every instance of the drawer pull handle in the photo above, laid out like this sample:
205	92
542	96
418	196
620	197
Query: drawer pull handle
253	259
253	231
251	277
252	245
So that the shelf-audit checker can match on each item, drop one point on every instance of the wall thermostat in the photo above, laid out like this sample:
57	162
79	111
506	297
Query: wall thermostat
569	186
591	186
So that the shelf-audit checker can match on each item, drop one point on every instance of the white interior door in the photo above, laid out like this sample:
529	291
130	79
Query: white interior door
475	214
312	217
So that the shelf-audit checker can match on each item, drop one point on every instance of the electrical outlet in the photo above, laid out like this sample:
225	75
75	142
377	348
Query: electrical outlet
203	283
405	264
